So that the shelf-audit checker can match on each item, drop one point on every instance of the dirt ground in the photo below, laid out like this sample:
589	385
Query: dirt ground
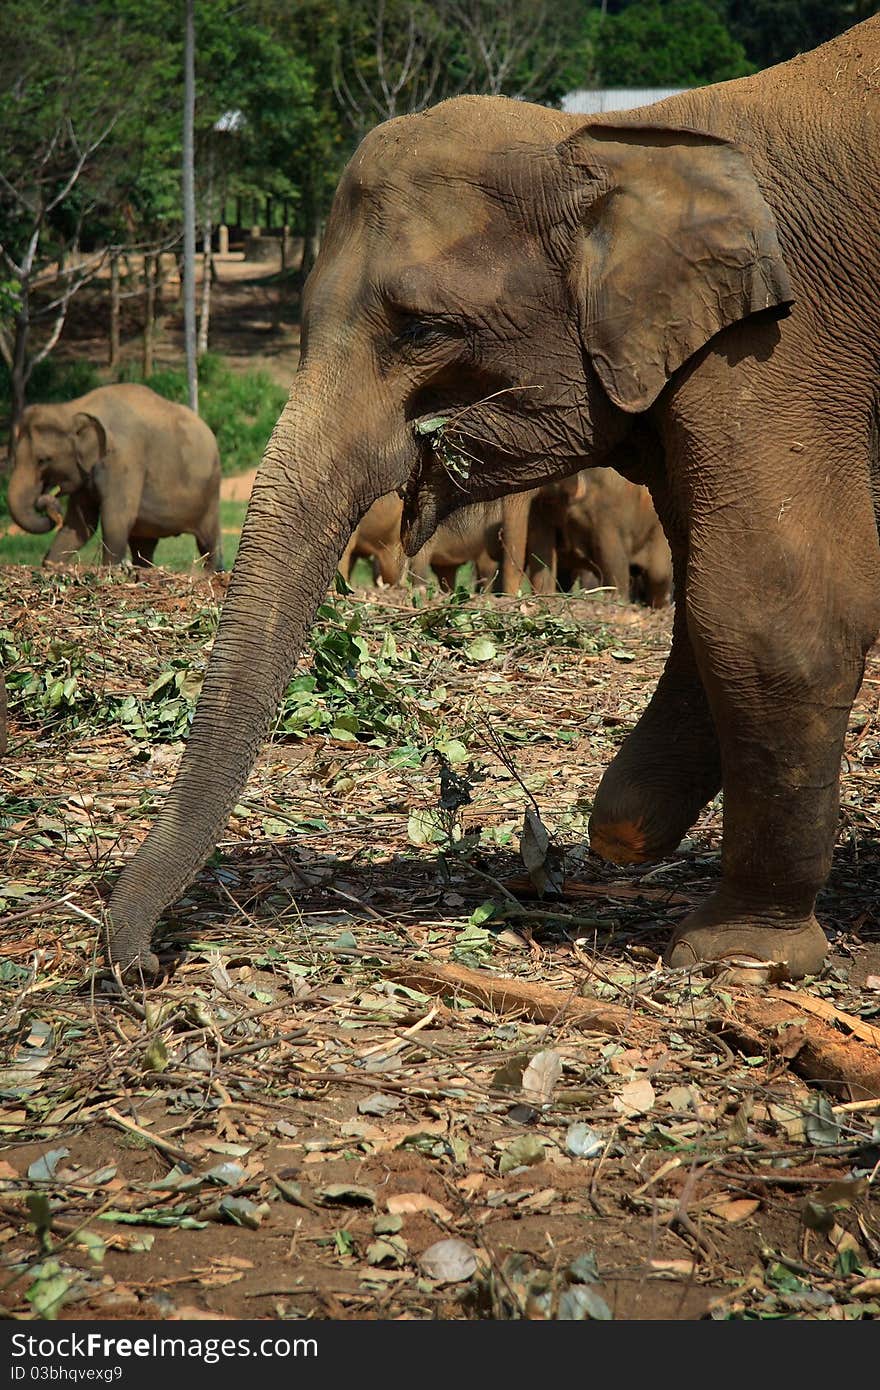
254	320
296	1123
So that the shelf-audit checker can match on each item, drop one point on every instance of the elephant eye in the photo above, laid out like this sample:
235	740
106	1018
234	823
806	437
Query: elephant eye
415	330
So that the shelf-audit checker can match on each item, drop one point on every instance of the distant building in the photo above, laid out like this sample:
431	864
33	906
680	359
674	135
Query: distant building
592	101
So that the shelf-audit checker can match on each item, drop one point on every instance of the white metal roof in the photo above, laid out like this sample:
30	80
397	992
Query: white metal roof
593	100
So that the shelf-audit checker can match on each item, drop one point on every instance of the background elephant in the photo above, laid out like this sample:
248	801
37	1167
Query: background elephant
505	295
470	535
122	455
598	533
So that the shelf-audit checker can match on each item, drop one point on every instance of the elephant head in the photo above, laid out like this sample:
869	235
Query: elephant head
58	446
499	293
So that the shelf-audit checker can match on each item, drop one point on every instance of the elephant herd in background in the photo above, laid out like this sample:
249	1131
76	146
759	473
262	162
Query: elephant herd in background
146	468
592	529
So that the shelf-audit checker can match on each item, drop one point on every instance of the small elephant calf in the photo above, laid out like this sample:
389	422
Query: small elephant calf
122	455
465	536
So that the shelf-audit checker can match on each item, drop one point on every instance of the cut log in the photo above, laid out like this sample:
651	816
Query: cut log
793	1026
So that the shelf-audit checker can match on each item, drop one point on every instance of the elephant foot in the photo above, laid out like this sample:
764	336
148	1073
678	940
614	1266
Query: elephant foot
635	840
625	842
745	949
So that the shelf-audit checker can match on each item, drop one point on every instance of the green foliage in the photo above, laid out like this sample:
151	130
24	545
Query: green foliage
369	678
676	43
55	380
773	30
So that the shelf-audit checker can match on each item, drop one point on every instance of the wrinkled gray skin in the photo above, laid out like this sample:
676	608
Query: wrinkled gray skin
565	286
143	466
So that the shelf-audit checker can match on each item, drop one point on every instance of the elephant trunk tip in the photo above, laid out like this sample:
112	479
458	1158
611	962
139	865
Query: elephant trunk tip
24	503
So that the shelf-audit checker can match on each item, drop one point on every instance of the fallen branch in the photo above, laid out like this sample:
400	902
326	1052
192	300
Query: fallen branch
813	1048
613	891
505	995
822	1009
156	1140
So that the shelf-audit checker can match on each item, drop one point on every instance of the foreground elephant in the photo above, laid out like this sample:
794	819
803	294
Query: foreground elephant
141	465
506	294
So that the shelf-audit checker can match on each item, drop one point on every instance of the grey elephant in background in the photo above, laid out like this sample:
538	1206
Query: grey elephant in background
143	466
470	535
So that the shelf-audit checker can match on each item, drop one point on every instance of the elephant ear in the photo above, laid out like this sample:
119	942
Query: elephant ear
678	242
90	441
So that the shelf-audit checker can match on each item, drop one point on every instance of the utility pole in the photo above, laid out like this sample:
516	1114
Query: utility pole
189	206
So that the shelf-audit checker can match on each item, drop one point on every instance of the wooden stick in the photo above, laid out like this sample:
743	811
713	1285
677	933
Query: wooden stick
822	1009
505	995
171	1149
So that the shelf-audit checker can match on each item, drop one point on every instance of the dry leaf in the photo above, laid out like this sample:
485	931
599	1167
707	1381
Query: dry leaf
541	1076
736	1210
449	1261
472	1182
403	1203
636	1098
868	1288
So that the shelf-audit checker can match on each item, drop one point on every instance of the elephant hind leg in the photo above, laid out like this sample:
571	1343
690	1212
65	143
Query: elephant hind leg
142	548
209	537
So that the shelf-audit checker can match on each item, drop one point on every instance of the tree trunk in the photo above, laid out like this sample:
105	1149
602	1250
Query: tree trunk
311	226
113	356
207	278
151	271
19	374
189	208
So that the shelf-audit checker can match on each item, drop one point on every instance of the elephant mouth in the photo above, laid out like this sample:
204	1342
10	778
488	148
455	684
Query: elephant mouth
439	482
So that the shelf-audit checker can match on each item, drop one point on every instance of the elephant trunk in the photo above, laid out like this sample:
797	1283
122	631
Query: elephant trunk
25	486
299	520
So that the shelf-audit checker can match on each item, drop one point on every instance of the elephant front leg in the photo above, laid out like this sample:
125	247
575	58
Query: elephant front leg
666	771
780	621
670	765
80	524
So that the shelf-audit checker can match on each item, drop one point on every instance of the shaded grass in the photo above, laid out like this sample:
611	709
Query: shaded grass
173	553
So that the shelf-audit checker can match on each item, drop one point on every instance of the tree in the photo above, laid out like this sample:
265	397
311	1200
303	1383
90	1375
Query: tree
398	56
676	43
773	30
66	137
189	204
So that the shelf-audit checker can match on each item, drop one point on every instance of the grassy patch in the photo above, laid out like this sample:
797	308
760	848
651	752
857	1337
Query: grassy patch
173	553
